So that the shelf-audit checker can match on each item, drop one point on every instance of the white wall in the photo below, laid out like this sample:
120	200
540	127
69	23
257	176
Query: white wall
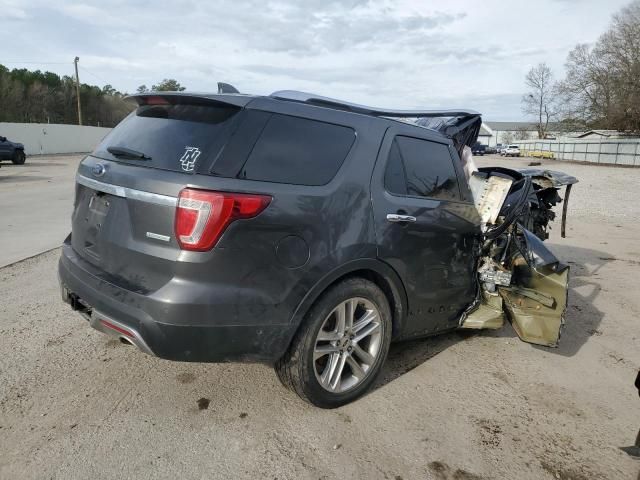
45	138
610	152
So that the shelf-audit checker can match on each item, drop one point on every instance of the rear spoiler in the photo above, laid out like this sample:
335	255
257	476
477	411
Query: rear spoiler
160	98
463	126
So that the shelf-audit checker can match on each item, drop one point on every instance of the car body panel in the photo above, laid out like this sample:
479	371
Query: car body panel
245	298
537	311
537	301
433	255
246	280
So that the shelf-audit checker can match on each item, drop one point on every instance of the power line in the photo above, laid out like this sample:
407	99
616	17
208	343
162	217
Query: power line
37	63
93	75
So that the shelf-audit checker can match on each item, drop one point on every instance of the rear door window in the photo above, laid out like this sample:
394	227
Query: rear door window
178	137
298	151
427	168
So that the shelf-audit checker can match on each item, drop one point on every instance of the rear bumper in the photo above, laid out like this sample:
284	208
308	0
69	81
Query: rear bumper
112	327
122	313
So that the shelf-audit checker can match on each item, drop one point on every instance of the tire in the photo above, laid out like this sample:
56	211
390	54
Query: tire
19	157
306	367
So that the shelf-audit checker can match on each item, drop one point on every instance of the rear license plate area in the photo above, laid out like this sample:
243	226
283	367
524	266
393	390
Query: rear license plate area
97	211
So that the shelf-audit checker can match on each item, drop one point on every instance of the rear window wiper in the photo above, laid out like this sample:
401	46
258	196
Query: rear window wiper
127	153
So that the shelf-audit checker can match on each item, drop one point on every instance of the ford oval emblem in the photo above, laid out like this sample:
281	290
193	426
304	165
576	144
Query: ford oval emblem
98	170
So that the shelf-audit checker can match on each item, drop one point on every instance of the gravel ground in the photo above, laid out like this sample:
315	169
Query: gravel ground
74	404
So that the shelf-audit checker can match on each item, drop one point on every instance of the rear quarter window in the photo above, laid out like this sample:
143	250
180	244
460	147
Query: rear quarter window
298	151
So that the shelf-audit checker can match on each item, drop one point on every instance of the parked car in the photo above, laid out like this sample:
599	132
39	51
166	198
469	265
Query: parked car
490	150
306	233
12	151
511	151
478	149
500	148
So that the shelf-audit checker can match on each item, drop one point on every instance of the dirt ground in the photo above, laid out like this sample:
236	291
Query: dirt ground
74	404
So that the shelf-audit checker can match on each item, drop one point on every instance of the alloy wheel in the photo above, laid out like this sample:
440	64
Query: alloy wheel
347	345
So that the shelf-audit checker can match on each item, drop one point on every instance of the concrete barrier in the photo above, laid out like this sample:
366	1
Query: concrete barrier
48	139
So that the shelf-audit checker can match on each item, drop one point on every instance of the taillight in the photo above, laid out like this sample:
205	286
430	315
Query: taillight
202	216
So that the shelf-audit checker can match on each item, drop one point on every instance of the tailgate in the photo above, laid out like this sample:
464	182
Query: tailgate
127	189
126	233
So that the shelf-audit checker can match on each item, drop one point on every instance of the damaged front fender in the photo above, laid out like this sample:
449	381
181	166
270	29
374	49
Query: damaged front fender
517	274
536	301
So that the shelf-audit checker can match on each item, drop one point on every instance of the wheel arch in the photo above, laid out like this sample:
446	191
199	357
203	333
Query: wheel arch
371	269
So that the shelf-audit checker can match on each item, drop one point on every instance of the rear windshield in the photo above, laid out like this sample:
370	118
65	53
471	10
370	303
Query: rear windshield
181	137
512	146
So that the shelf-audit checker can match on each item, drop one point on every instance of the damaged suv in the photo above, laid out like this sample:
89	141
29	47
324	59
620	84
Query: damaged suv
307	233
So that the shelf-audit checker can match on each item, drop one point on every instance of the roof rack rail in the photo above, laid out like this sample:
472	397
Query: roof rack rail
318	100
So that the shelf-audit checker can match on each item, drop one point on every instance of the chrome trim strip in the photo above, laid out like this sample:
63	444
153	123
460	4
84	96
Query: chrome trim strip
137	339
103	187
126	192
149	197
157	236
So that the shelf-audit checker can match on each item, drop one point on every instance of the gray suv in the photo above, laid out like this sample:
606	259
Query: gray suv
306	233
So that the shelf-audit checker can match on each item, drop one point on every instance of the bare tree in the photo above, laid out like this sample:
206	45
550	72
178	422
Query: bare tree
507	138
542	98
601	86
587	88
522	133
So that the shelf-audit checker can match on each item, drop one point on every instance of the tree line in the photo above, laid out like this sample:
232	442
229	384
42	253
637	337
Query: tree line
45	97
601	88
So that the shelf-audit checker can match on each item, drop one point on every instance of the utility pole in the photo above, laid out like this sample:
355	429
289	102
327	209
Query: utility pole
75	62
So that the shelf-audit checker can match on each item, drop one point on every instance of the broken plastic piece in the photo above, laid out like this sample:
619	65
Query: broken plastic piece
488	196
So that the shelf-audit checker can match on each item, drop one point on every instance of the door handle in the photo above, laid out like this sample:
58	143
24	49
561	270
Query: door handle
396	218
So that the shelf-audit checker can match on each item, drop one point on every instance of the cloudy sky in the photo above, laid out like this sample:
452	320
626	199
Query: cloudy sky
388	53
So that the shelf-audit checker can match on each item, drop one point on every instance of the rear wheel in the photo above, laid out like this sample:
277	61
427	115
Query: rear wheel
341	346
19	157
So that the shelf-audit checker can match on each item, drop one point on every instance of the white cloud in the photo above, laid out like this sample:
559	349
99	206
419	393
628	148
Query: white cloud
393	53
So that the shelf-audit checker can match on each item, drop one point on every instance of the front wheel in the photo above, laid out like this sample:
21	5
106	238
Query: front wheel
19	157
341	345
